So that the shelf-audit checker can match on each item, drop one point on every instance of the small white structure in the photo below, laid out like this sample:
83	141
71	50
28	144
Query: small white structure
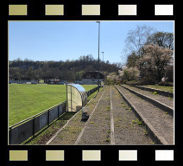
76	97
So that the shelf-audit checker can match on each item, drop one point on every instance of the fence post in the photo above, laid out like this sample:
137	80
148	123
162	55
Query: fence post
10	136
66	97
33	126
48	117
58	110
61	110
71	98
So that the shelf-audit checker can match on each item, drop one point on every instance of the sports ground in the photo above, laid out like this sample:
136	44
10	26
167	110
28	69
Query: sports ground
27	100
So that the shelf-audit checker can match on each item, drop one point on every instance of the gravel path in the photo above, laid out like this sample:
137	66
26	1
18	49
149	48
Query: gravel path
162	99
127	131
69	134
162	122
97	130
111	121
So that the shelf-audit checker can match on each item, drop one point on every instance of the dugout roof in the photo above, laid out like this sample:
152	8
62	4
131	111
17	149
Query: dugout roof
76	97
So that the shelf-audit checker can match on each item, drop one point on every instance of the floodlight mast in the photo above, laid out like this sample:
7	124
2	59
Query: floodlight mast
103	55
98	49
102	64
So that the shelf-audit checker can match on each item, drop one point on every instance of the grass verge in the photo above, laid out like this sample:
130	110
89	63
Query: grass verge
163	88
44	135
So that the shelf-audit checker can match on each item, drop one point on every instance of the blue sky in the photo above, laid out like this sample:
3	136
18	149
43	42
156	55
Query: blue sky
63	40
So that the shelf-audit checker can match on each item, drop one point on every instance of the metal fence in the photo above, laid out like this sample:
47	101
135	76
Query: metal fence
92	91
27	128
23	130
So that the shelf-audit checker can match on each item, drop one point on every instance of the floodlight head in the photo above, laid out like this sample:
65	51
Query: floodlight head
97	21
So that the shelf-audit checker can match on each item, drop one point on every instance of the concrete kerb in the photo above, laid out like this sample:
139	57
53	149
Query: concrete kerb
151	130
158	104
160	92
112	121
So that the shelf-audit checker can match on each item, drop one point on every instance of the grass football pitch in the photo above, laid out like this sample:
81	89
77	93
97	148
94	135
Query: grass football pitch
28	100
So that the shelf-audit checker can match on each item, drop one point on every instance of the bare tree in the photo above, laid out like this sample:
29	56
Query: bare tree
137	38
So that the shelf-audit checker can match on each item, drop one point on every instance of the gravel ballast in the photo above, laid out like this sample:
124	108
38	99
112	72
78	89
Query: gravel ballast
158	119
128	130
97	130
159	91
113	122
162	99
69	133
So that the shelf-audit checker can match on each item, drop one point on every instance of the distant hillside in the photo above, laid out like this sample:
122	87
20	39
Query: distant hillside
68	70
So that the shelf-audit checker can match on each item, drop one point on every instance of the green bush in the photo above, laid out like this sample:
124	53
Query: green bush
113	82
166	83
129	74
